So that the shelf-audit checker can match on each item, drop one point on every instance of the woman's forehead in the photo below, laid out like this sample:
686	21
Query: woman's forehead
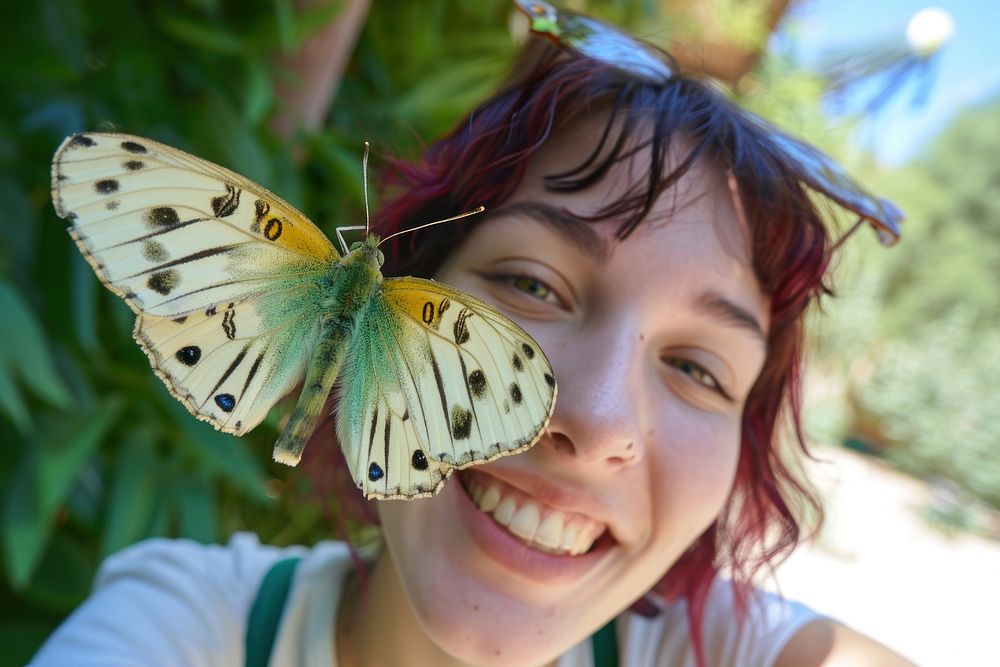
587	140
705	185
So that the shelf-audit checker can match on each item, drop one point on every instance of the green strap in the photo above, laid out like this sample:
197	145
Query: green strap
265	614
604	646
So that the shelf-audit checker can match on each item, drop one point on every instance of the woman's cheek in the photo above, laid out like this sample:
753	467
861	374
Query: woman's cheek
693	470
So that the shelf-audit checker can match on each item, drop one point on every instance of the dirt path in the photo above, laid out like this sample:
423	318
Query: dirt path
880	568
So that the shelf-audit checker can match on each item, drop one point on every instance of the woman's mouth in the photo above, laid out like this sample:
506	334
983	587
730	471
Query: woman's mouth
537	525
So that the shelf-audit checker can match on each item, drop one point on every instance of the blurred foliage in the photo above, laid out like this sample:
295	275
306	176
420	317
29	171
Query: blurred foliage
917	332
97	455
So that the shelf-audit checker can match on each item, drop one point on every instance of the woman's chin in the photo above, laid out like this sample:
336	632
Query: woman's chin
474	604
488	639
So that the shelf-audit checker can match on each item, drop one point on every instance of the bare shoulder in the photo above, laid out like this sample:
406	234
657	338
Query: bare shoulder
826	643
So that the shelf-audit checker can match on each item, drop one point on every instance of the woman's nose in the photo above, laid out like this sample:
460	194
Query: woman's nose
598	410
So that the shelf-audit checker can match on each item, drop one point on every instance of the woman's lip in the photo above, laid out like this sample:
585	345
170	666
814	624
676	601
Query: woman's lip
514	555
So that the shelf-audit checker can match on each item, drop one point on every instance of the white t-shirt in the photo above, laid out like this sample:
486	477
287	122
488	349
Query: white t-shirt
176	603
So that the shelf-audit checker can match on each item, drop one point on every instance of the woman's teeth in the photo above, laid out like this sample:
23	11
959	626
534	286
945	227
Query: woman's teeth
539	527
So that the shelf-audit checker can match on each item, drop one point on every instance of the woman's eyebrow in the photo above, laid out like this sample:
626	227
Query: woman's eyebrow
578	230
719	307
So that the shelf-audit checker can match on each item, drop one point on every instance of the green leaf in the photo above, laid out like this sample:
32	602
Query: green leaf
221	454
72	442
202	36
196	510
63	577
84	303
235	144
130	503
285	16
258	96
13	404
20	639
25	529
29	359
42	480
20	223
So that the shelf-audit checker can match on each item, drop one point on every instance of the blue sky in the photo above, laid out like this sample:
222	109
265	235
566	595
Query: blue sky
967	70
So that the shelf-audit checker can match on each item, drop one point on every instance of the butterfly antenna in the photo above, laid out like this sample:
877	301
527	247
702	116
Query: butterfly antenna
364	178
475	211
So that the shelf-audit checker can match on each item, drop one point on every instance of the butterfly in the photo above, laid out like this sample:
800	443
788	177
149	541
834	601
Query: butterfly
239	298
589	38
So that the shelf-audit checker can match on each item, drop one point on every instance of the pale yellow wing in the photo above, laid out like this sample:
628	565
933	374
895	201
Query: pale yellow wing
435	380
171	233
227	280
230	364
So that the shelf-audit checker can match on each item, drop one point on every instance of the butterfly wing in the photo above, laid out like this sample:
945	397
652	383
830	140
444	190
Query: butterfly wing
224	276
437	380
171	233
228	365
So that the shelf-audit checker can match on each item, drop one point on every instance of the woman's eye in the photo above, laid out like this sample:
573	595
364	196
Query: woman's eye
532	287
697	373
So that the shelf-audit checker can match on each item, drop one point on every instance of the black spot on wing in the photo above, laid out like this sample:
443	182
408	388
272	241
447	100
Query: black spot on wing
82	140
517	363
161	216
515	393
419	460
375	472
549	380
229	323
461	422
134	147
133	165
273	228
106	186
477	383
226	402
154	251
113	205
189	355
225	205
529	351
461	328
261	209
163	282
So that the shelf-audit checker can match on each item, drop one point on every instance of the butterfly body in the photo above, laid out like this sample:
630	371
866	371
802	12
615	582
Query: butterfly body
239	298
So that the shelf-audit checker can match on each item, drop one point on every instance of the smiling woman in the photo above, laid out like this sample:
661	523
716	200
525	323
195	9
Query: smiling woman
662	249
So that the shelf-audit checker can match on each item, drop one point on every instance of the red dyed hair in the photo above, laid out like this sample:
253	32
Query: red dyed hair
483	161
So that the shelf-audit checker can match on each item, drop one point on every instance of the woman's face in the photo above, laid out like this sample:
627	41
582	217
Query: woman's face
655	342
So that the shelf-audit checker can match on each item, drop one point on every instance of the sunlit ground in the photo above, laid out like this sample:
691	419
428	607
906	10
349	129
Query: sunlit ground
881	568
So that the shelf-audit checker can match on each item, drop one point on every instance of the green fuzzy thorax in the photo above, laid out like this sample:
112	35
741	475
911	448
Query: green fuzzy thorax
355	279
